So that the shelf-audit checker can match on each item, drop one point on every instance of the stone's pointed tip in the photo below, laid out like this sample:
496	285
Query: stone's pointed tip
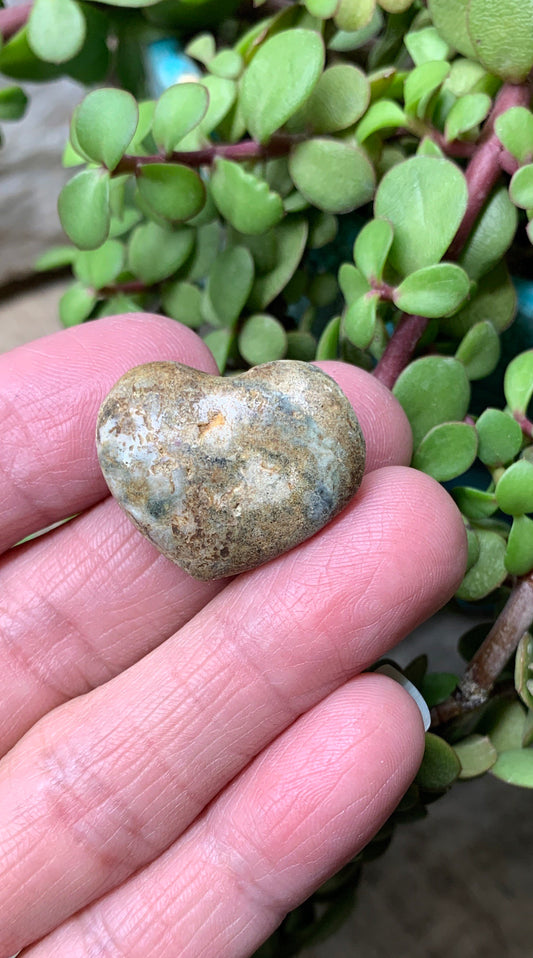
224	474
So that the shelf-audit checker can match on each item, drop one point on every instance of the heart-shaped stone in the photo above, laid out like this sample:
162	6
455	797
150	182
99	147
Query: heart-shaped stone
222	474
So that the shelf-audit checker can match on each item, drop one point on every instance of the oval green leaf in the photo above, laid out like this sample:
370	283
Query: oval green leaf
515	767
83	207
519	555
262	339
466	113
359	322
433	291
76	304
278	81
514	129
173	191
179	110
514	491
332	175
339	99
328	344
500	437
156	253
440	765
488	572
290	238
372	247
99	267
104	124
449	17
502	36
475	503
432	390
425	199
56	30
13	103
476	754
521	187
447	451
382	115
182	301
243	199
479	351
523	673
491	236
229	284
518	381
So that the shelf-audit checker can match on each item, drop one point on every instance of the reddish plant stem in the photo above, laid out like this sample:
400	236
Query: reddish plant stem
247	150
12	19
492	655
525	424
482	174
132	286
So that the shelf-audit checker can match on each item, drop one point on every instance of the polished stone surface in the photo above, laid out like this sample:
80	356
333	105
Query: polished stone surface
223	474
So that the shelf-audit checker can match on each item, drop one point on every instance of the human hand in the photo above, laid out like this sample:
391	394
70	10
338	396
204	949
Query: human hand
186	761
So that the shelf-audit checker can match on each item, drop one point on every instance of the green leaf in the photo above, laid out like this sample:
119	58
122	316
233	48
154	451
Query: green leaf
523	675
179	110
144	128
154	253
372	247
502	36
323	230
519	555
182	301
321	8
99	267
428	147
332	175
440	765
466	113
514	129
354	14
446	451
262	339
55	258
491	236
518	381
432	390
76	304
352	283
433	291
279	79
222	94
83	207
220	342
382	115
500	437
468	76
92	64
18	61
504	724
474	503
202	48
437	686
13	103
514	491
521	187
227	64
339	99
173	191
449	18
290	238
243	199
426	45
359	322
208	242
328	344
301	345
479	351
473	549
495	300
489	571
323	289
422	83
229	283
515	767
56	30
104	124
476	755
425	199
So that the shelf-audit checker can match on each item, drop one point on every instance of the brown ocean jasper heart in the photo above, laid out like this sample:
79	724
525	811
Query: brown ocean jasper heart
224	474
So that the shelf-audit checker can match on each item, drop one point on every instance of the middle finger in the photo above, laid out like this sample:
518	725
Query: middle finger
117	775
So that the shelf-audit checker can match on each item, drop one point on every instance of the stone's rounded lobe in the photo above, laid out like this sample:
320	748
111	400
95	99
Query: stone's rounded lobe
223	474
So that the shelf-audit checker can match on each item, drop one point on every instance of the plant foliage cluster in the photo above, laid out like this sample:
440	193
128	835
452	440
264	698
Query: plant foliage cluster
336	179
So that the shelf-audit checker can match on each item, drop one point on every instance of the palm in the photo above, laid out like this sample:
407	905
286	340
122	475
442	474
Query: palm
198	756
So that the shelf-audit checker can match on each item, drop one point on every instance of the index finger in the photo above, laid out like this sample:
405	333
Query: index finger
51	390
